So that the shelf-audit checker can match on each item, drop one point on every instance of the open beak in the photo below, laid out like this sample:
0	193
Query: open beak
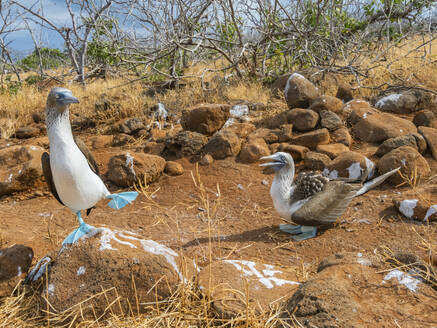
275	161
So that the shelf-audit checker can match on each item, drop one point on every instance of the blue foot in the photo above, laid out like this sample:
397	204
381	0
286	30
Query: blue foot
299	232
79	232
122	199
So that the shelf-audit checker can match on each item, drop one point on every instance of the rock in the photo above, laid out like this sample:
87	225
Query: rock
353	295
206	119
430	135
408	159
279	85
393	143
98	142
350	165
299	92
206	160
382	126
236	286
125	169
269	136
157	134
223	144
346	258
312	139
173	168
27	132
327	103
407	102
303	119
357	109
316	161
20	168
184	143
154	148
130	126
159	112
330	120
37	117
342	136
344	91
332	150
286	133
242	130
132	271
296	151
415	208
425	118
82	122
122	139
253	150
14	261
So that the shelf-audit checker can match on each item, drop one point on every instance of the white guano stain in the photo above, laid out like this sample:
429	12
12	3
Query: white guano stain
161	112
407	206
130	163
266	277
330	174
403	278
81	270
355	171
362	260
19	271
51	289
431	210
387	99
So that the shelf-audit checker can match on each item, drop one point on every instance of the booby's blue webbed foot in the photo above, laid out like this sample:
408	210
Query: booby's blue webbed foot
81	231
122	199
299	232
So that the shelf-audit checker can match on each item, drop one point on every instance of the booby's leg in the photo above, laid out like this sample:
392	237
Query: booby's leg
122	199
79	232
299	232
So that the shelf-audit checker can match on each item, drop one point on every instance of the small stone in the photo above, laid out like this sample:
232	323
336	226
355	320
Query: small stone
312	139
344	91
430	135
269	136
206	160
330	120
342	136
332	150
154	148
303	119
296	151
316	161
253	150
299	92
286	133
206	119
242	130
223	144
82	123
425	118
173	168
37	117
14	261
122	139
393	143
415	208
184	143
98	142
130	126
410	162
350	165
327	103
27	132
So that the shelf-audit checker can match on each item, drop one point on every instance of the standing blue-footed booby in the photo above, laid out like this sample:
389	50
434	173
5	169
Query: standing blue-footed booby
70	170
311	199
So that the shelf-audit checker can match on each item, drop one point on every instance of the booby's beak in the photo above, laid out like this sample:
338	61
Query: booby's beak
276	160
66	98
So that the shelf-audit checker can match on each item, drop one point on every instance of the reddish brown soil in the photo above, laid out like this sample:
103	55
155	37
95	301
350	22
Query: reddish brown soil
245	225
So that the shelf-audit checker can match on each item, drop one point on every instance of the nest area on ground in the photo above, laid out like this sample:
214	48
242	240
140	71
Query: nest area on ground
201	246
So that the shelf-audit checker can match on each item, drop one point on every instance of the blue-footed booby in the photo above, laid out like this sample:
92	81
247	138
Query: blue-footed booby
311	200
70	170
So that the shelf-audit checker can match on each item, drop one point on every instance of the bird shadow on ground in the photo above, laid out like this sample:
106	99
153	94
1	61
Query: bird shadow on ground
264	234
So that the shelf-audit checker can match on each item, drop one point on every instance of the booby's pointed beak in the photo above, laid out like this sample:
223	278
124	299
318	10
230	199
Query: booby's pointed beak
276	160
69	99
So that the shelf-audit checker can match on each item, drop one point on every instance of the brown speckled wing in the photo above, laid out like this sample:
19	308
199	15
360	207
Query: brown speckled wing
326	206
47	171
308	184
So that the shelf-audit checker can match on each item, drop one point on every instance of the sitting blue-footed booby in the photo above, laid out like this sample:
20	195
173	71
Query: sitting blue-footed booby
70	170
311	200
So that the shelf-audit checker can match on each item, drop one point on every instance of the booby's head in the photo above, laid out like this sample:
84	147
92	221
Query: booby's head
59	98
278	161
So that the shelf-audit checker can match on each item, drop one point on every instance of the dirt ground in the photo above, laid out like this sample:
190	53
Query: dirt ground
243	223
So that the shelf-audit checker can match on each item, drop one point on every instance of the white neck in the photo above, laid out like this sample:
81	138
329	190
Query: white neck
58	125
282	189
